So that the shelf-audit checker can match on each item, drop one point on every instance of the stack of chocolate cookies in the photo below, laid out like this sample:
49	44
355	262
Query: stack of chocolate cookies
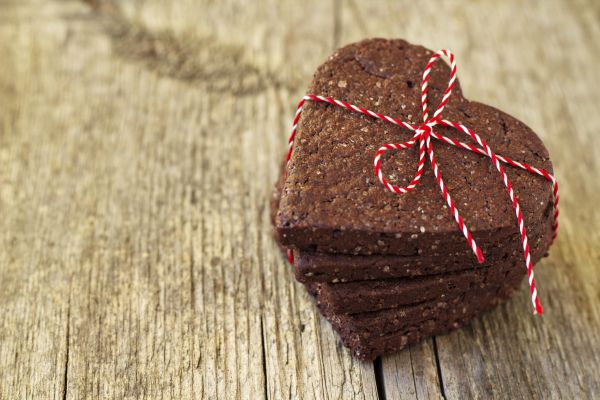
385	269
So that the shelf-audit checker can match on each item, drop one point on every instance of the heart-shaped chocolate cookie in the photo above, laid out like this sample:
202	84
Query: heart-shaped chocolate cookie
331	200
353	237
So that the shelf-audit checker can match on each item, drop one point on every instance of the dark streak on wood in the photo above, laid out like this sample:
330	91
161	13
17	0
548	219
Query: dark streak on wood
218	65
379	378
439	368
264	360
67	350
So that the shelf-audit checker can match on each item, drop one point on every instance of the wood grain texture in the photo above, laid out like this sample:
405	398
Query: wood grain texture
139	141
541	70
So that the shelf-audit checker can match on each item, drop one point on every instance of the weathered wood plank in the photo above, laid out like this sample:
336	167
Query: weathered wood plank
138	146
540	71
543	358
412	373
36	246
153	119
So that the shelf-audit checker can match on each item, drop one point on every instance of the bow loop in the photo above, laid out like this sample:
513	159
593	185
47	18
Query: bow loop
425	87
400	146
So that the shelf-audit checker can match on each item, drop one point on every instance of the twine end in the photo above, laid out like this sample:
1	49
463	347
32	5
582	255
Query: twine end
538	310
480	257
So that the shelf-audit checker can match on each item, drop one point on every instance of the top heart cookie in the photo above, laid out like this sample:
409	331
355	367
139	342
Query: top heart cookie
332	202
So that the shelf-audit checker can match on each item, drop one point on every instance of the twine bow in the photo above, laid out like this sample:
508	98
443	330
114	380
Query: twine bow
423	134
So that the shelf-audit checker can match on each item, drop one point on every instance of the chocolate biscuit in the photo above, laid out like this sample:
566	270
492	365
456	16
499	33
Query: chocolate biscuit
355	297
331	200
388	270
324	267
371	334
327	267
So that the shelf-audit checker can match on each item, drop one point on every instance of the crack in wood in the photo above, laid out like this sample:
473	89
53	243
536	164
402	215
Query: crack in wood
67	340
439	367
264	358
412	368
192	281
379	378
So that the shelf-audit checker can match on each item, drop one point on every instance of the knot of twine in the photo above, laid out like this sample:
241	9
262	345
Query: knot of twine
423	134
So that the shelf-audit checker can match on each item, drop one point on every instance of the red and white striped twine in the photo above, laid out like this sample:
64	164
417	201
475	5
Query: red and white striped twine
423	134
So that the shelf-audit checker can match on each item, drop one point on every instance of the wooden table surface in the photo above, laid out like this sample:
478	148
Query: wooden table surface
139	141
